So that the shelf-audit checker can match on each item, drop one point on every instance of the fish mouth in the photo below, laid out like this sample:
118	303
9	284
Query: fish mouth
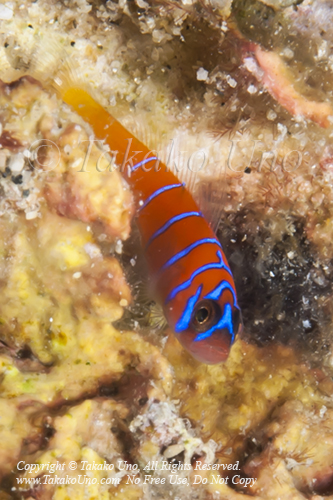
210	351
216	348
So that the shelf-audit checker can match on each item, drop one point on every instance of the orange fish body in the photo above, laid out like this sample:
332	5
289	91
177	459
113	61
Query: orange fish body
189	270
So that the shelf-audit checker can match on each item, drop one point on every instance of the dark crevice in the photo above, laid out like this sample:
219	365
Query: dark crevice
282	287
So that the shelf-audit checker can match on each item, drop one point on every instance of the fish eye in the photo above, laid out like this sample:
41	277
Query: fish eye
205	315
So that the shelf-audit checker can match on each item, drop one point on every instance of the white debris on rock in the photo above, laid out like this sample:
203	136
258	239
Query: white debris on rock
271	115
231	81
171	429
252	89
202	74
92	250
119	247
6	12
31	215
16	163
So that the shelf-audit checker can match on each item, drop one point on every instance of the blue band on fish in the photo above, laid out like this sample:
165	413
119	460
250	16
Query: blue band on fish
212	265
170	222
143	162
185	318
160	191
189	249
217	292
225	322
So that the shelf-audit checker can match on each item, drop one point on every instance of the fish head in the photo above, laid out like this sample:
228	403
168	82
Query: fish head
206	324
